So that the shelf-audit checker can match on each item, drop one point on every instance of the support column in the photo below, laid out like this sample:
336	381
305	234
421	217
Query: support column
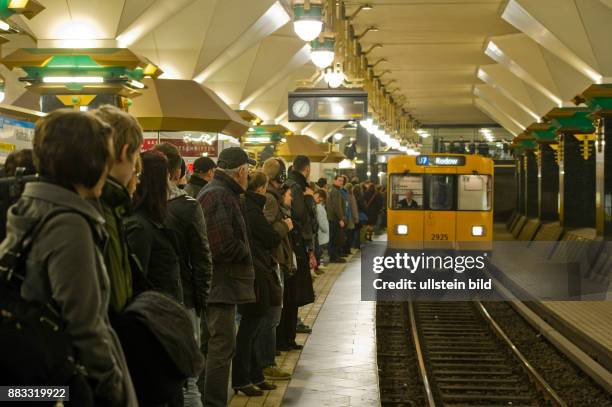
548	184
599	99
603	163
576	184
520	184
531	184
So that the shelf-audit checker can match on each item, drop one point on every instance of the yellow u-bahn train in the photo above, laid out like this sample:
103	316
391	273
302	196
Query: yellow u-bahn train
440	201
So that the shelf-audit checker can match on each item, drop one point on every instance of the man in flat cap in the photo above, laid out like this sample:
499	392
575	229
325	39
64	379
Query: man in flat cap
233	276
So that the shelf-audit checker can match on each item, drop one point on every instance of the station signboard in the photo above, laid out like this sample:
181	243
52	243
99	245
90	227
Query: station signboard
14	135
440	160
190	145
327	105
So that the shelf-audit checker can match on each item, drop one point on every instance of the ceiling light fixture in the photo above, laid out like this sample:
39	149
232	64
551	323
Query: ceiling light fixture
136	84
334	77
371	28
372	48
322	52
338	136
73	79
363	7
380	61
308	20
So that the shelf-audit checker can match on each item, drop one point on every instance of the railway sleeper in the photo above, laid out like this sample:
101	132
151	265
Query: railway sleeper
471	359
489	397
474	387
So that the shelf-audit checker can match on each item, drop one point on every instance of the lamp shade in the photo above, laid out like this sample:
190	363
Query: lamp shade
300	145
322	52
308	22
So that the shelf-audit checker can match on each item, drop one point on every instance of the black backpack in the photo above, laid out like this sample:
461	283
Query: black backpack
35	348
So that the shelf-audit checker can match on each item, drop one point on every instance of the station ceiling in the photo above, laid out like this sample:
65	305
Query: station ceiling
247	52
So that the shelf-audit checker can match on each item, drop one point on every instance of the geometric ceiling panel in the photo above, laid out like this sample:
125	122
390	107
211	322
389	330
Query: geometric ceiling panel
174	44
432	50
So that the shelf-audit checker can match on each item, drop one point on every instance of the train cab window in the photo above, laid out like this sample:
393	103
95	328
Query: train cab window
406	192
441	192
474	193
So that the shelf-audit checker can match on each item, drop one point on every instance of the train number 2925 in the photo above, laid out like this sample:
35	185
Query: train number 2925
439	236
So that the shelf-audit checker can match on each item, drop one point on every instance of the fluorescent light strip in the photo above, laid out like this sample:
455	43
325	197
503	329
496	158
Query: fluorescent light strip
137	84
73	79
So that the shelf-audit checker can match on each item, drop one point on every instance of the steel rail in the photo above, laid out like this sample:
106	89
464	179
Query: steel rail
420	357
547	391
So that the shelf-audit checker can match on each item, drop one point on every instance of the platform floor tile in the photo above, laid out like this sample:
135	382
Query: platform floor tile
331	351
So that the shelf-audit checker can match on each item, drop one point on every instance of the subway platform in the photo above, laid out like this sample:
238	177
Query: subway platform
337	366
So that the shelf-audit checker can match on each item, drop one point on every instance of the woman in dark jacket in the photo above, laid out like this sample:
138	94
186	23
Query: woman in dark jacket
372	205
152	243
247	368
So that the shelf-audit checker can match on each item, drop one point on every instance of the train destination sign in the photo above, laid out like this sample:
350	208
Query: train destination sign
327	105
440	160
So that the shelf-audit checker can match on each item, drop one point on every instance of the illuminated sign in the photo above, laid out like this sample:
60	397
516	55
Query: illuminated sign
327	105
440	160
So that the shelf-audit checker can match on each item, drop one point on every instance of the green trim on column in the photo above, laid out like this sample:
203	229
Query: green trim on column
572	119
5	11
81	65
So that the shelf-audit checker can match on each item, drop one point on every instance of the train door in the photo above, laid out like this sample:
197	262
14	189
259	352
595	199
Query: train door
439	223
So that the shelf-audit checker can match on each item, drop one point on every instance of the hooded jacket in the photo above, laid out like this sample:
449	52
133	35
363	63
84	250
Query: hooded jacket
195	185
186	219
233	275
65	267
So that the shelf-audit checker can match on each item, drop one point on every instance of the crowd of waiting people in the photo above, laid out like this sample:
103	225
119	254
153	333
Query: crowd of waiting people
164	286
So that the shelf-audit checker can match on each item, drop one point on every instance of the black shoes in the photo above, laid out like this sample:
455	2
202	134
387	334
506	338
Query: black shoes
303	329
337	260
249	391
287	348
266	386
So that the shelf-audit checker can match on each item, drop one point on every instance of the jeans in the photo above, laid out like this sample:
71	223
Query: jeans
319	252
247	366
191	393
334	240
221	347
266	340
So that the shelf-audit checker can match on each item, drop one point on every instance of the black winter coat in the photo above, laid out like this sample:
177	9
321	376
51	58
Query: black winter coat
372	205
302	237
155	247
186	219
263	240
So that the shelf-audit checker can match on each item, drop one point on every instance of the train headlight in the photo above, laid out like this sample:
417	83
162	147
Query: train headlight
478	230
401	229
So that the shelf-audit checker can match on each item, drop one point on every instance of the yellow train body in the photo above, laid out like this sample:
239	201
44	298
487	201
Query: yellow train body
440	201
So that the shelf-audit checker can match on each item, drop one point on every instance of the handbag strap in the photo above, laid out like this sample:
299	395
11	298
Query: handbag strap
370	200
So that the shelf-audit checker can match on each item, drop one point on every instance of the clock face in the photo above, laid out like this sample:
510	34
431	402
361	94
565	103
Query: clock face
301	108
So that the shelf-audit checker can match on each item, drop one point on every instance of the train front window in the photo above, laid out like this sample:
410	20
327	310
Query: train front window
441	192
406	192
474	193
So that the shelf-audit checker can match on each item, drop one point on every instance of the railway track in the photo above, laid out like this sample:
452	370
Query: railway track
465	359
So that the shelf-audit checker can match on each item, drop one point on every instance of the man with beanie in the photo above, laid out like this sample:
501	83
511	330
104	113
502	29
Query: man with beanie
203	171
233	276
